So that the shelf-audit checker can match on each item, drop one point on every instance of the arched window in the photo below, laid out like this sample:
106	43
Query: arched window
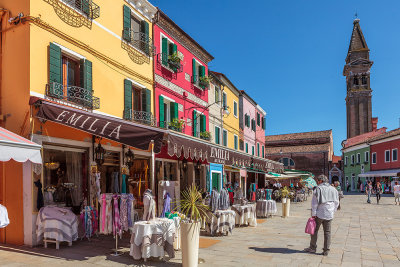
287	162
355	80
364	80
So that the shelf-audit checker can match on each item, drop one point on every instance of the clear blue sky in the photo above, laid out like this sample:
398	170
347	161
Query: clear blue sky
289	55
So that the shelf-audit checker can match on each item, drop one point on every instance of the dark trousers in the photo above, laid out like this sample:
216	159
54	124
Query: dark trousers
326	224
378	197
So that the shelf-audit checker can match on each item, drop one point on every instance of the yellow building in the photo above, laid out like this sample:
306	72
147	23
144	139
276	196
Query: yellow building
94	56
230	105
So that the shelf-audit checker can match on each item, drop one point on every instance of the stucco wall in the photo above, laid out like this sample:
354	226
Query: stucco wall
249	136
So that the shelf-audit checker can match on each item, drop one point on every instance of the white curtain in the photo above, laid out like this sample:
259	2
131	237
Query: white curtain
74	175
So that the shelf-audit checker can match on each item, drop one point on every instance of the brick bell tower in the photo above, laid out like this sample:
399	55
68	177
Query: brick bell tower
357	72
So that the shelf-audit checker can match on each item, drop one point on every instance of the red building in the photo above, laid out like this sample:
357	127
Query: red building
385	151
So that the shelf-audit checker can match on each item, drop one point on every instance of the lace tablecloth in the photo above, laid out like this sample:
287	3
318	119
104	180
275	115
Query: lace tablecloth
245	214
266	208
153	239
223	221
57	223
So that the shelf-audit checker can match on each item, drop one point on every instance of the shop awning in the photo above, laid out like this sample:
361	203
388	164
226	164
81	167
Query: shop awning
13	146
125	132
382	173
195	148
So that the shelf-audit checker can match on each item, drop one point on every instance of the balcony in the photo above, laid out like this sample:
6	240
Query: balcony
73	94
205	135
171	62
87	7
140	116
140	41
202	82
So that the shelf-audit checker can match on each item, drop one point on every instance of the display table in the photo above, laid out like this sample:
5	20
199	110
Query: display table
153	239
266	208
56	225
222	221
245	214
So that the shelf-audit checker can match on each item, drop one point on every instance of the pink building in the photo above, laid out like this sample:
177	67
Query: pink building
260	131
247	121
180	77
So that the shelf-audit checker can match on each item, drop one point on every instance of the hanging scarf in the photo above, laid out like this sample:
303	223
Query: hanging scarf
129	208
117	223
214	200
103	211
40	201
123	186
167	205
123	207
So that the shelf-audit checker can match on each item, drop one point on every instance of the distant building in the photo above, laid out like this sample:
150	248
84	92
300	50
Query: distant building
307	151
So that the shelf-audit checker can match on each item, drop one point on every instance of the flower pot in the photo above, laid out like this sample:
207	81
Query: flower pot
190	233
287	208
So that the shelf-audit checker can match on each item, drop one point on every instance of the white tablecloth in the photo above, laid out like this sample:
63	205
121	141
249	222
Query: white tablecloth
56	223
245	214
266	208
223	221
153	239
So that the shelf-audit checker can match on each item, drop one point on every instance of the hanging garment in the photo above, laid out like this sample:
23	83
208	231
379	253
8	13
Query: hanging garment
98	188
40	201
130	209
106	223
268	194
115	182
149	206
214	200
170	188
48	198
230	192
89	221
223	200
117	230
123	186
167	205
4	220
123	208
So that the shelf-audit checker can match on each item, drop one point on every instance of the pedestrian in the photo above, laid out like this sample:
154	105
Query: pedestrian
336	184
378	192
396	191
347	185
324	203
368	191
359	186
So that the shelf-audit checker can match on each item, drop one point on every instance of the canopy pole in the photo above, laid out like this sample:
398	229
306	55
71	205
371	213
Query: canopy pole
152	168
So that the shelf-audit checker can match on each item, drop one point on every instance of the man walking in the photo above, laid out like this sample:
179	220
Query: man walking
396	191
368	191
324	204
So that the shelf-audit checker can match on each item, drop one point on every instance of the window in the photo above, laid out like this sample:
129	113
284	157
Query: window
252	150
387	155
247	120
169	52
136	101
80	5
217	135
236	141
374	158
225	137
366	156
352	159
253	125
224	105
394	154
258	119
287	162
358	158
364	80
235	108
355	80
345	160
198	123
262	150
199	71
263	123
136	31
217	91
258	149
247	148
241	145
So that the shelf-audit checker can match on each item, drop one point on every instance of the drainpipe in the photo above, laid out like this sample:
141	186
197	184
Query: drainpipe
152	168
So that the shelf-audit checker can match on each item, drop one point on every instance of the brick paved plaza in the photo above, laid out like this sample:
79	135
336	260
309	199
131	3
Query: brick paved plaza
363	235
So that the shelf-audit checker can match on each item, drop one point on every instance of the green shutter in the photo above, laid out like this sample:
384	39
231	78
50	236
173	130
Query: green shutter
262	149
258	149
236	142
144	99
55	64
258	119
164	51
217	135
127	99
252	150
263	123
194	123
173	110
148	101
203	127
127	23
247	148
161	111
225	138
144	28
85	6
202	70
173	50
86	74
194	76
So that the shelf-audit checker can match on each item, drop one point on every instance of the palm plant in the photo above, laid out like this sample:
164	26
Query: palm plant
191	205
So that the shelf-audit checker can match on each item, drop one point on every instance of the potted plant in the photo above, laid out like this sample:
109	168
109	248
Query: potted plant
174	61
176	125
204	81
205	135
285	201
194	211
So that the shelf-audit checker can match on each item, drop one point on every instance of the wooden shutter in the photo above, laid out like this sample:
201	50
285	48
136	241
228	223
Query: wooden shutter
55	64
262	149
194	123
148	101
217	135
263	123
202	71
161	117
174	110
173	50
144	99
86	74
164	51
203	127
127	23
258	119
194	75
127	99
225	137
144	28
247	148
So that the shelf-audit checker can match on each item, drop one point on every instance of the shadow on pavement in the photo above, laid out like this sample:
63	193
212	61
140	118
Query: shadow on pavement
277	250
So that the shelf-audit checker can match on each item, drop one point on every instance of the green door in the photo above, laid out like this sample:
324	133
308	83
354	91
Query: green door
215	181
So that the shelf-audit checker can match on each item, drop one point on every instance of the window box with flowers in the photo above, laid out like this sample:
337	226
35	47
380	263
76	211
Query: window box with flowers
205	135
176	125
174	62
204	81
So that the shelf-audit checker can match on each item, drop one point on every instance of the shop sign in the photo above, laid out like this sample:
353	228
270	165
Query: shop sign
218	155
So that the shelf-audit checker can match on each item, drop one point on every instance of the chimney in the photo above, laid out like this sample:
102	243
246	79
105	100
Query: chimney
374	123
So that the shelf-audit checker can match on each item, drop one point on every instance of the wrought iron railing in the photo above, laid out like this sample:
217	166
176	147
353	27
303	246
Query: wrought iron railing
165	60
88	7
139	40
73	94
140	116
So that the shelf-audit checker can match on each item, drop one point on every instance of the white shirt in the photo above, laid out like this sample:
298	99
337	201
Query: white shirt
323	211
4	221
396	189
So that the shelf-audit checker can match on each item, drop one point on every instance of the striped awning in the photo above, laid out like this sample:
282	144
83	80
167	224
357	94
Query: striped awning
13	146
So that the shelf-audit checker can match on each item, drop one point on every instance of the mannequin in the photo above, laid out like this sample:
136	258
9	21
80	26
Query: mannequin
149	205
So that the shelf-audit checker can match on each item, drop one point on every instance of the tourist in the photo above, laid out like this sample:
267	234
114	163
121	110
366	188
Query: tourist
368	191
324	204
396	191
378	192
359	186
336	184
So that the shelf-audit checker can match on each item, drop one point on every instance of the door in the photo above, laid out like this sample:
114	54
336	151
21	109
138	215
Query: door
215	176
